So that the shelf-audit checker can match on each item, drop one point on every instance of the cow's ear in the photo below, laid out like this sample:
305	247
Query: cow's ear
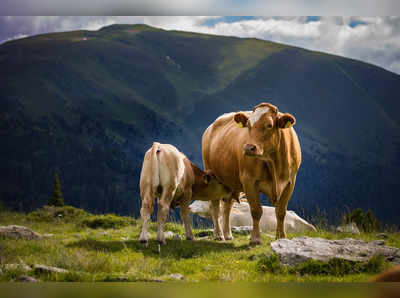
285	120
207	178
241	119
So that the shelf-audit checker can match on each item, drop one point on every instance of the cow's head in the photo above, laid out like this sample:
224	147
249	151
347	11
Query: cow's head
263	125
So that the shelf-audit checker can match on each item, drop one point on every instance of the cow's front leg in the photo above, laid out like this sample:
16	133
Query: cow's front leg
226	212
256	211
185	216
145	212
162	214
216	220
280	209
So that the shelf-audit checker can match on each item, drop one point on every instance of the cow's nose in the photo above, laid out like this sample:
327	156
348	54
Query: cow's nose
249	149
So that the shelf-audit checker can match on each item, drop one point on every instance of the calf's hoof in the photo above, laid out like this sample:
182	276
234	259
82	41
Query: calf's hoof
230	237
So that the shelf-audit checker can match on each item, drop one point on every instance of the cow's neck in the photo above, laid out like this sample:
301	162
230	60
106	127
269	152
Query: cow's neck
198	174
273	160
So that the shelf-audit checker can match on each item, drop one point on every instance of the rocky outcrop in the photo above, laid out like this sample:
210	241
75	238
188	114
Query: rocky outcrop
38	269
18	232
25	278
349	228
302	249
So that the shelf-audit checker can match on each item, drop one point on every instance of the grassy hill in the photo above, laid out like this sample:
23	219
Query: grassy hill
114	253
87	104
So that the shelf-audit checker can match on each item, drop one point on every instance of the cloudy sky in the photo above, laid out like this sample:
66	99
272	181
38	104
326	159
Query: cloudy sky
372	39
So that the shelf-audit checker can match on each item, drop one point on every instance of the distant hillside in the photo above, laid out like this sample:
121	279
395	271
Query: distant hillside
87	104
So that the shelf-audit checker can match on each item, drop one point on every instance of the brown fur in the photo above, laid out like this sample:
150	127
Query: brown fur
168	175
263	157
390	275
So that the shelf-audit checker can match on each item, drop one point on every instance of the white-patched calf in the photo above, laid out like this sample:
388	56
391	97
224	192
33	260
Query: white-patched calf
168	175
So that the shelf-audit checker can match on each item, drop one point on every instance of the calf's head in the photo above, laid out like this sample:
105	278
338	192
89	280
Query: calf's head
208	187
263	126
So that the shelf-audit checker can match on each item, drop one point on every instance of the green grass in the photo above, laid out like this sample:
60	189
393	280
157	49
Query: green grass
116	254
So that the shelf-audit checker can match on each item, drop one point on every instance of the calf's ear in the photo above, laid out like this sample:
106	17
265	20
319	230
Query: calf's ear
207	178
241	119
285	120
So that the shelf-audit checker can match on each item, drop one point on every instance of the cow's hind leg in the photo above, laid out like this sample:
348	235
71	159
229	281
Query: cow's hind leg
280	209
162	214
215	211
145	212
185	215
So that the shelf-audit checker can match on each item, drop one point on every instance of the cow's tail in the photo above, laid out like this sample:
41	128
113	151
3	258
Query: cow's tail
155	151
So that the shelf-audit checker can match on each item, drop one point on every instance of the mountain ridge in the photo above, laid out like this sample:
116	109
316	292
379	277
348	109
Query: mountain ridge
108	94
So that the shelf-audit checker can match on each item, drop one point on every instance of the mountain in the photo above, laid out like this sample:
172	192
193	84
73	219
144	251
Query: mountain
88	104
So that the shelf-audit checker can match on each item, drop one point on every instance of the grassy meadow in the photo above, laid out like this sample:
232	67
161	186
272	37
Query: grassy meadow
106	248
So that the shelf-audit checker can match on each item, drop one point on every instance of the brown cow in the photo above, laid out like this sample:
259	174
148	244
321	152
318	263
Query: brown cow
254	152
168	175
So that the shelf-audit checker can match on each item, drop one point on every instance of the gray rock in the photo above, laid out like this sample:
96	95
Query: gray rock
176	276
382	236
18	232
20	267
48	235
349	228
301	249
38	268
243	230
25	278
168	234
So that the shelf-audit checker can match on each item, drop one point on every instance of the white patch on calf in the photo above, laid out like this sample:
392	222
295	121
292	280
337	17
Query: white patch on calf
257	115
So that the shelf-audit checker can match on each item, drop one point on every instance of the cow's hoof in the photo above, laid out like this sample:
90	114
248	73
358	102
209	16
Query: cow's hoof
219	238
229	237
255	242
162	242
144	241
189	238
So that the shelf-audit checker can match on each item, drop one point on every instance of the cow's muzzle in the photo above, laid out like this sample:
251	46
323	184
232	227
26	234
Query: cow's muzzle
249	149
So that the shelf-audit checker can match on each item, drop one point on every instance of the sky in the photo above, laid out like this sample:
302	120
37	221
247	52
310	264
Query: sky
374	40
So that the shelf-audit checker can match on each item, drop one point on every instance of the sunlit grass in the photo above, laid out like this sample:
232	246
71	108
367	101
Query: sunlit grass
117	255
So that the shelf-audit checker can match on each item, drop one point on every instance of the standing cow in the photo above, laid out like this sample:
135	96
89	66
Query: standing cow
168	175
253	152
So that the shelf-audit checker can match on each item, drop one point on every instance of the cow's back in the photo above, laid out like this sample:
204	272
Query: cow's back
163	166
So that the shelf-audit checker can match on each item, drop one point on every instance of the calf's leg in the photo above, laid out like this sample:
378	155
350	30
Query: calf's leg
185	216
145	212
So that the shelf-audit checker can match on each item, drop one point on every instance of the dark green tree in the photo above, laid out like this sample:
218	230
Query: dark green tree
57	198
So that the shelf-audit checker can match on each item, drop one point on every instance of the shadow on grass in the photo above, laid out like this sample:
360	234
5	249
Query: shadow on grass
176	249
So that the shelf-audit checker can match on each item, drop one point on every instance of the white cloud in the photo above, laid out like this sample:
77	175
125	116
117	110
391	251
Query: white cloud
372	39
